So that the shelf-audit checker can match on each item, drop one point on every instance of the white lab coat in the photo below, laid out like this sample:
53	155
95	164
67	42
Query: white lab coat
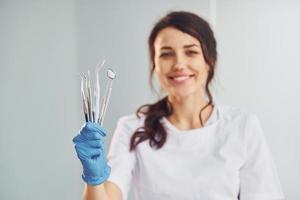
227	157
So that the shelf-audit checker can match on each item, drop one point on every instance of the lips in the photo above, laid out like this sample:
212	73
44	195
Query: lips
180	78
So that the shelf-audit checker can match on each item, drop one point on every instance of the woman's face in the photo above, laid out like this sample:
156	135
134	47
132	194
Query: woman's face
179	63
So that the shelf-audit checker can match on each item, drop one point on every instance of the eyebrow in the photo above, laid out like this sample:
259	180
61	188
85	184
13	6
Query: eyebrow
190	45
185	46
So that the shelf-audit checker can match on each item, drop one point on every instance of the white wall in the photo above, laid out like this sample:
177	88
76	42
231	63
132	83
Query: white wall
45	45
39	110
259	70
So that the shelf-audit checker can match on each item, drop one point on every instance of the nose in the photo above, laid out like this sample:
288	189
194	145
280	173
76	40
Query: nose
180	62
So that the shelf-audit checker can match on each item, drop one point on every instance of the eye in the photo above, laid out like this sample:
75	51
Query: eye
166	54
191	52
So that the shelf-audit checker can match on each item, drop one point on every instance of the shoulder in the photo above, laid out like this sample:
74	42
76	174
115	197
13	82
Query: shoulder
131	121
242	119
235	114
127	125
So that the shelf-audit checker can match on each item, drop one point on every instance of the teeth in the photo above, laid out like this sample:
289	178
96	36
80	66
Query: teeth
180	78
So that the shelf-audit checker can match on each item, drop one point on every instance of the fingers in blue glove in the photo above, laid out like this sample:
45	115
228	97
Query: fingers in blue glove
87	136
87	153
93	127
78	140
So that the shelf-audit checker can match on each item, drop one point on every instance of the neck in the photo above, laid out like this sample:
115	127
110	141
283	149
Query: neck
186	112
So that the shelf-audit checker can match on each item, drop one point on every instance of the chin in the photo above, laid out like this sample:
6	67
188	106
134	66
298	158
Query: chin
182	94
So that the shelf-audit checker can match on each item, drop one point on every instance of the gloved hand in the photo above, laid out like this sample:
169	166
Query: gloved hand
89	145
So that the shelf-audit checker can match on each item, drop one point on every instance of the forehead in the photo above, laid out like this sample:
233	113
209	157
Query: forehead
173	37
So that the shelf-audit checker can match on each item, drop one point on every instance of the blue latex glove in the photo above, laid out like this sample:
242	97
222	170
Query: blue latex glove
89	145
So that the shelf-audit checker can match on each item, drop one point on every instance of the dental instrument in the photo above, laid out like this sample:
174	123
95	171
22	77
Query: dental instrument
87	98
90	103
111	74
84	103
97	91
91	99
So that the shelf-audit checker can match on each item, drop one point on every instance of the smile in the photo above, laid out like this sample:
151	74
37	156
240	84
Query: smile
181	79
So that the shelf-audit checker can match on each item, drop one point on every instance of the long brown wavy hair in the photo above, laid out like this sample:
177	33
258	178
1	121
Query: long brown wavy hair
197	27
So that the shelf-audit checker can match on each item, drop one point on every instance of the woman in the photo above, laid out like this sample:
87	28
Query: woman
185	146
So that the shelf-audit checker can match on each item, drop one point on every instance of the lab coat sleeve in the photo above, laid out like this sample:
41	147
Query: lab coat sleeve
258	175
120	160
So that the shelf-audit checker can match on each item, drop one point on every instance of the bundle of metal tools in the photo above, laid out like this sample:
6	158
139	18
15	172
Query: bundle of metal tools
91	101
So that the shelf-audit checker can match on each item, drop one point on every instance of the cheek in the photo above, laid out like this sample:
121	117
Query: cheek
162	78
204	77
162	68
202	72
159	73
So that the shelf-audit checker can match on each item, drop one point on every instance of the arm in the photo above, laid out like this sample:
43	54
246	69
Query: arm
258	175
89	145
103	181
105	191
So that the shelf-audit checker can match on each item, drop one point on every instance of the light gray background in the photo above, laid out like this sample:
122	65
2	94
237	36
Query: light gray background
45	45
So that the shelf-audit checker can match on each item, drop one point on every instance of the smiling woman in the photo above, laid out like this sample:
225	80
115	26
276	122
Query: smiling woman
183	55
180	65
185	145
